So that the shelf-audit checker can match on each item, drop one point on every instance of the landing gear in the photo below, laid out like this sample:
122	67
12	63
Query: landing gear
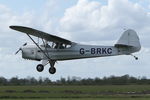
52	70
136	58
40	68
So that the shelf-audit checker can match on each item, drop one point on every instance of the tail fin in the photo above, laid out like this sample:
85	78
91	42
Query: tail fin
129	40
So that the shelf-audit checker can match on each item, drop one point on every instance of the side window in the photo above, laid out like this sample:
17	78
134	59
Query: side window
68	46
60	46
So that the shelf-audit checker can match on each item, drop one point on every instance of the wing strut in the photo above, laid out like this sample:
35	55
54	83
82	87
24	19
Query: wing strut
45	44
39	47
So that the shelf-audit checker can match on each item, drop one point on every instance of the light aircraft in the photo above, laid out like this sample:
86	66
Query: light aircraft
54	48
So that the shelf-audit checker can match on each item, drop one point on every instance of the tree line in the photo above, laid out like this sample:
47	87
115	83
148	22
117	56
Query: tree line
111	80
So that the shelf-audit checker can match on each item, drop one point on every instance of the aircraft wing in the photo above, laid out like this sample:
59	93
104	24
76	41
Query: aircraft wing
40	34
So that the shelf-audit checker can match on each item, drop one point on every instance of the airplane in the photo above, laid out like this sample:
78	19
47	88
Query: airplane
54	48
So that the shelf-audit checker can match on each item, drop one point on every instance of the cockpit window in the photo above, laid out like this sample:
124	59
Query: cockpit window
68	46
56	45
61	46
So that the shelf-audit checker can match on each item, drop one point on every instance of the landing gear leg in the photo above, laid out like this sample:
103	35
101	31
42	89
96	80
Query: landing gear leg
52	69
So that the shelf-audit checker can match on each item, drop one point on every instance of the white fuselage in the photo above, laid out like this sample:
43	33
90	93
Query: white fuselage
76	51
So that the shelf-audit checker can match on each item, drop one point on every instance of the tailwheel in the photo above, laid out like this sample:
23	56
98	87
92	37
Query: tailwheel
52	70
40	68
136	58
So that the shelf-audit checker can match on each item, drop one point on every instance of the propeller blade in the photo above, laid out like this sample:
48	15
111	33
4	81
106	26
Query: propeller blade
25	44
18	51
20	48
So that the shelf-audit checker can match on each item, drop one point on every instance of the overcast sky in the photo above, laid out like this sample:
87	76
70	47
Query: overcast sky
99	22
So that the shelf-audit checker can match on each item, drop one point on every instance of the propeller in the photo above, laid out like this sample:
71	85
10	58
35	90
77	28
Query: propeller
18	51
20	48
25	44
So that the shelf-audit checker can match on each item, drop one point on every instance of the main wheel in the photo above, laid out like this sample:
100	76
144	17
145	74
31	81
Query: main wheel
40	68
52	70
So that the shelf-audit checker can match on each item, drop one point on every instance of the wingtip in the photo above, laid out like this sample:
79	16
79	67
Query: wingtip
12	26
16	26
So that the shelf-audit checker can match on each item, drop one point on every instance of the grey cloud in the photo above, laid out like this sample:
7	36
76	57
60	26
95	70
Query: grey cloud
99	22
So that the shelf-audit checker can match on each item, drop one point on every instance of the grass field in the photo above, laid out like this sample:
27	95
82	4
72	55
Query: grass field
111	92
84	99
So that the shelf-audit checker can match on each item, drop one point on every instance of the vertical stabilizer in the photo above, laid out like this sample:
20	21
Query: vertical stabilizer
129	39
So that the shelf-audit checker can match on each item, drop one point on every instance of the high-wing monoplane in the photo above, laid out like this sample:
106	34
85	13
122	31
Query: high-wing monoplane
54	48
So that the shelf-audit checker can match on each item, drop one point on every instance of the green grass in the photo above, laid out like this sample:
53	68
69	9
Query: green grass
84	99
111	92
